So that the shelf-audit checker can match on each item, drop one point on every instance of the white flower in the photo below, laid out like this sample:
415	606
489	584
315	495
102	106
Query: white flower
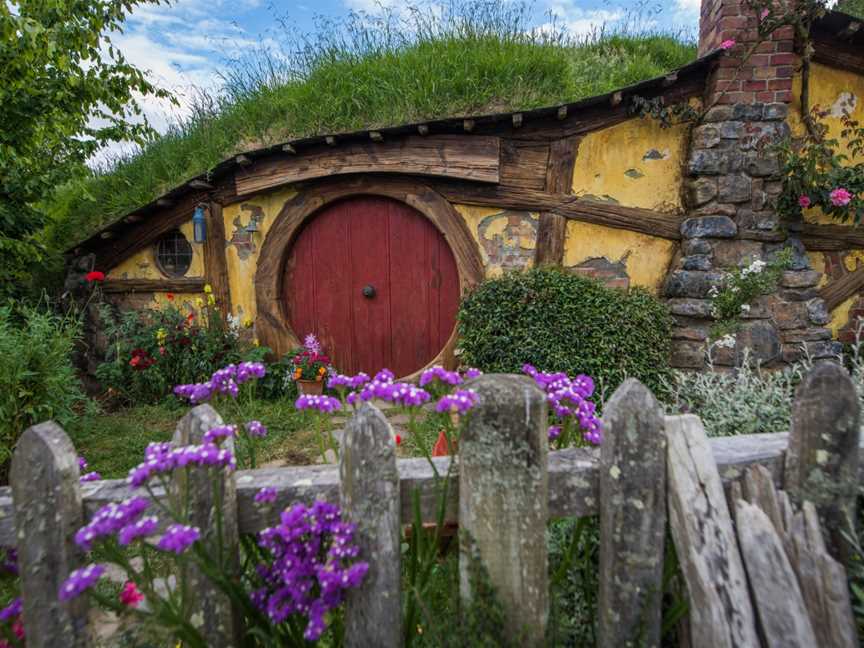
754	268
713	292
726	342
745	308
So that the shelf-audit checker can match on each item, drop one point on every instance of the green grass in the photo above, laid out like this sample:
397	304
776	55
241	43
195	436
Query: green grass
114	442
474	58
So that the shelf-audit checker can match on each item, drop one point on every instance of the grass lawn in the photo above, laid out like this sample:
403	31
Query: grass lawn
114	442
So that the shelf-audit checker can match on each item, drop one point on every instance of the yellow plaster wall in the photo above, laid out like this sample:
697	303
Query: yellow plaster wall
142	265
646	258
506	238
832	90
635	164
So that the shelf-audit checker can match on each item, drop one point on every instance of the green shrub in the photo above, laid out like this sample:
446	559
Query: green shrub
37	378
561	322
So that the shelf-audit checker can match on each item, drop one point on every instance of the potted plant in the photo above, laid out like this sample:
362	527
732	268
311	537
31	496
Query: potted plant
310	367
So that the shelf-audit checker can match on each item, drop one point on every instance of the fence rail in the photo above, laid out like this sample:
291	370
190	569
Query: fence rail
503	452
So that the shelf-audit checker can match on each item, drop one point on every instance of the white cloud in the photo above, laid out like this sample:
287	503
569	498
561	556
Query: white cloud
689	6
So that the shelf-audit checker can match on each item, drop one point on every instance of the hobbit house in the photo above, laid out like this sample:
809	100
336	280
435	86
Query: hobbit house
369	239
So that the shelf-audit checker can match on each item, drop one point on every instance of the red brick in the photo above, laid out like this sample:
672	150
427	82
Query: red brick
783	33
759	60
765	97
785	46
784	96
784	58
725	73
731	23
780	84
785	72
729	86
754	85
766	72
766	47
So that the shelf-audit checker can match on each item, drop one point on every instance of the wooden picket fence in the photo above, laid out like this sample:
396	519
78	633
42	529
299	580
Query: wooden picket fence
509	486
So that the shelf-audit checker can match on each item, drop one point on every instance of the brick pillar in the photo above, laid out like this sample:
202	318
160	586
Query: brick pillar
731	185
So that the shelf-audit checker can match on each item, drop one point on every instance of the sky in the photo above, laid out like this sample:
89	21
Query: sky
184	44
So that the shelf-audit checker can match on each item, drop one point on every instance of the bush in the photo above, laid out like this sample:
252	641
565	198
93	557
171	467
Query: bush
151	351
561	322
37	378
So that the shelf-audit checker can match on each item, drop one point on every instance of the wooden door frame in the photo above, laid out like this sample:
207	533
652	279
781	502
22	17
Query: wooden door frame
272	324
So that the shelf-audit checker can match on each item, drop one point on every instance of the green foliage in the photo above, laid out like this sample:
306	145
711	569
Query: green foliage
574	549
741	287
851	7
749	400
37	379
64	92
562	322
152	351
814	168
369	71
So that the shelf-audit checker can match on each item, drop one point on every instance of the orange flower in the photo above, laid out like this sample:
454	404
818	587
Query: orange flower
169	296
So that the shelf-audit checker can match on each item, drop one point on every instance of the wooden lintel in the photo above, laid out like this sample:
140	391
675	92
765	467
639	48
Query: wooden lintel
477	158
839	290
215	263
634	219
831	238
181	285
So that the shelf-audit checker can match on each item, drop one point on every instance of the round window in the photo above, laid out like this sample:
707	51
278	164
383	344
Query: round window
173	254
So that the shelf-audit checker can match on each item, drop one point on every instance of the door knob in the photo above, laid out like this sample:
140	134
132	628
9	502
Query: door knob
368	291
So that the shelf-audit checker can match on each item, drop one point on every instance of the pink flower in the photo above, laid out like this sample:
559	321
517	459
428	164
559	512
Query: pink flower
804	201
764	14
130	596
727	44
840	197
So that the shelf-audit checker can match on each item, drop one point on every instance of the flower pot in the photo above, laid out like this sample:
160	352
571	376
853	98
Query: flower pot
310	387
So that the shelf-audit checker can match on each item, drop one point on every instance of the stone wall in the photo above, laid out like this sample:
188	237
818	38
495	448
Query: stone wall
730	190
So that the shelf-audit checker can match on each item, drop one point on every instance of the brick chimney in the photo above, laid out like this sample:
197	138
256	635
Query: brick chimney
730	189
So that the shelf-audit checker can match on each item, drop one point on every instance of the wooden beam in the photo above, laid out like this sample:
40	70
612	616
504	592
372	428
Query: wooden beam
474	158
839	290
659	224
179	285
215	263
831	238
552	228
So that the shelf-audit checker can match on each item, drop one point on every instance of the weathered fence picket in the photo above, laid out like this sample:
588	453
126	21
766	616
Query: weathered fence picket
632	518
503	504
44	477
822	461
219	621
369	494
507	486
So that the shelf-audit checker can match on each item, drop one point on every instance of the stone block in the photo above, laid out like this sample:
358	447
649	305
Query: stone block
709	227
800	260
761	340
691	283
736	253
798	294
775	111
715	209
714	162
705	137
747	111
730	129
790	315
701	191
762	220
695	246
687	354
692	333
696	262
734	188
761	165
698	308
800	278
817	312
718	114
806	335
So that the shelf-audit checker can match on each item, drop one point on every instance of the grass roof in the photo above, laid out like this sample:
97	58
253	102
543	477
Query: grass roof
365	73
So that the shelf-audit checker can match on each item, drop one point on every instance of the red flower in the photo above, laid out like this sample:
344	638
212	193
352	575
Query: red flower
130	595
169	296
95	275
441	447
398	439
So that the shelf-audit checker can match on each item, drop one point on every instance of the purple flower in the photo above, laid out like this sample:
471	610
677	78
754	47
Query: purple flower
82	463
9	563
161	458
472	372
248	371
266	495
11	611
90	476
352	382
326	404
439	373
256	429
220	432
80	581
178	538
459	401
109	519
554	432
311	343
569	398
144	527
405	394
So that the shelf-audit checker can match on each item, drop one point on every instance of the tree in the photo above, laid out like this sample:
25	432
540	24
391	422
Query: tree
65	91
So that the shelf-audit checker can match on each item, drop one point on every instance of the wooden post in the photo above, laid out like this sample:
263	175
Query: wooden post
552	227
822	460
632	518
369	495
503	501
215	264
720	612
48	511
219	624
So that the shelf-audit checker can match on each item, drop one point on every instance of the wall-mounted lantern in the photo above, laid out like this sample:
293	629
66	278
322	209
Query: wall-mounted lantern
252	227
199	224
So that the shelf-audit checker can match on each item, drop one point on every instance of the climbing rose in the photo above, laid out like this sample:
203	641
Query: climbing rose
804	202
840	197
727	44
95	275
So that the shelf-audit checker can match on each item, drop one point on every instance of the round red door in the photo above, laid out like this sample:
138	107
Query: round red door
376	282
